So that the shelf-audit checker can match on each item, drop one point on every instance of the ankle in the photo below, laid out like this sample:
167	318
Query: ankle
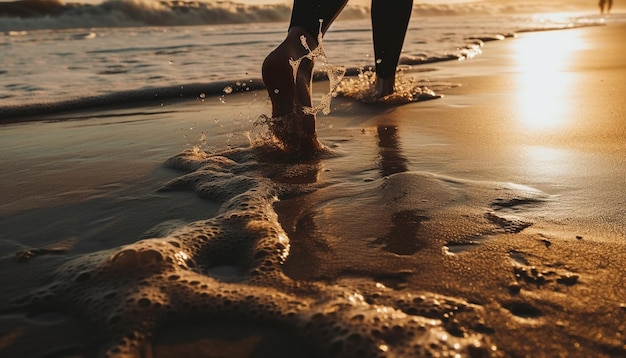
384	86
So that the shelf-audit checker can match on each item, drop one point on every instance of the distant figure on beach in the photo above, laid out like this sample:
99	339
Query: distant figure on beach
605	4
290	125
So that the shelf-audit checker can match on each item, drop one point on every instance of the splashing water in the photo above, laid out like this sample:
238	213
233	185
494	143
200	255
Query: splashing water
363	89
201	144
335	73
286	132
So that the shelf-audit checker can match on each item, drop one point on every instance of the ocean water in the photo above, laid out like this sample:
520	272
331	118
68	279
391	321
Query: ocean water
244	251
124	52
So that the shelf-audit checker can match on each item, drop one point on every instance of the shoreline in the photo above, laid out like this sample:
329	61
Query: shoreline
187	92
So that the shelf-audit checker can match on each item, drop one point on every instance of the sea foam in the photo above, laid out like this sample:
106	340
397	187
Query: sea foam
54	14
230	266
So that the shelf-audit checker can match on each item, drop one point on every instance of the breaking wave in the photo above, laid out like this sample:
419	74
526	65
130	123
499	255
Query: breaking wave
54	14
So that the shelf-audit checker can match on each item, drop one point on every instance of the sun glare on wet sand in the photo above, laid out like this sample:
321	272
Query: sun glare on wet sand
544	83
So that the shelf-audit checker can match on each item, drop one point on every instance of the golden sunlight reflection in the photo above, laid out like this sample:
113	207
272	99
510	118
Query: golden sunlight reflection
544	84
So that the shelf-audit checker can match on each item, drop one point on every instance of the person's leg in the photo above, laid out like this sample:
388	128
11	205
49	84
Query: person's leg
278	73
288	94
390	20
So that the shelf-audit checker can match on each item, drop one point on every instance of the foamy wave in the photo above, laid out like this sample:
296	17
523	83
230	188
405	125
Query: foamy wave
54	14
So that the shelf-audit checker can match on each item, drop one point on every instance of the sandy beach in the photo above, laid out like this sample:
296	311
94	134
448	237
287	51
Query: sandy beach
490	222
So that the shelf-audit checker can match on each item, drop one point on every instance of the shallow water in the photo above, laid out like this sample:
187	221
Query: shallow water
64	69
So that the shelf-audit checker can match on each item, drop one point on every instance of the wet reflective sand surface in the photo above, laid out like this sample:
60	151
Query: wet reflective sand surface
489	222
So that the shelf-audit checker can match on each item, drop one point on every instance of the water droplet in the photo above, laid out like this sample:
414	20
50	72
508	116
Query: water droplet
202	95
379	61
228	89
276	90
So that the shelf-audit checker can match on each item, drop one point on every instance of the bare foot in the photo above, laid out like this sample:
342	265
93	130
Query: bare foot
294	129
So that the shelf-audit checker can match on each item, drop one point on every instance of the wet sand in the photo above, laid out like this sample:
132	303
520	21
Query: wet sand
505	196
